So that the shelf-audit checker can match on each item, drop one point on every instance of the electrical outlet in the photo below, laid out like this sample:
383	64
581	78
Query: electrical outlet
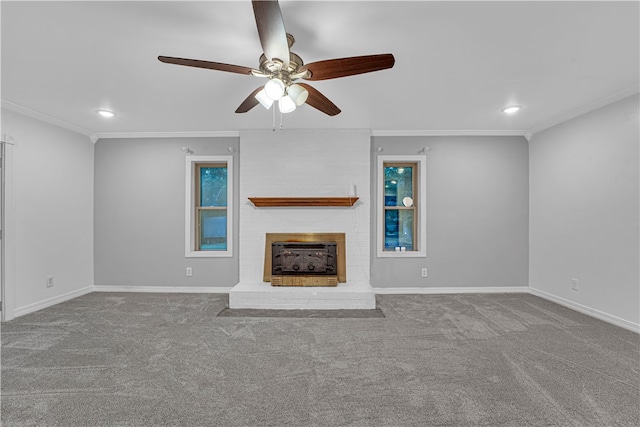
189	272
575	284
49	281
424	272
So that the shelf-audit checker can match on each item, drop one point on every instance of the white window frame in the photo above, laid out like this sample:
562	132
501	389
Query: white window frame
421	192
190	216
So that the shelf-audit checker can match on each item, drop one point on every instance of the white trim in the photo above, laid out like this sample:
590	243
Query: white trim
44	118
8	268
585	109
592	312
450	132
21	311
421	191
194	134
453	290
407	254
7	139
164	289
189	214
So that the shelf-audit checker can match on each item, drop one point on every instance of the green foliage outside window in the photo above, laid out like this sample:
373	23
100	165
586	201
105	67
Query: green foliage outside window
212	204
399	213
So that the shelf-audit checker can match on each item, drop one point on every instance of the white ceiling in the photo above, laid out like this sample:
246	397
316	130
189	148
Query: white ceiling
457	63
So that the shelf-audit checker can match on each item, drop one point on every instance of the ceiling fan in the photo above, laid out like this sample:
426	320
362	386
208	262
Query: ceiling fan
284	68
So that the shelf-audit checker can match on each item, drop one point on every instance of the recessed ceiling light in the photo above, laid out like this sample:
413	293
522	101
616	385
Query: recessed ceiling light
512	109
106	113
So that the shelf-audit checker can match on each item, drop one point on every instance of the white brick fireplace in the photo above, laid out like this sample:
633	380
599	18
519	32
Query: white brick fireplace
304	163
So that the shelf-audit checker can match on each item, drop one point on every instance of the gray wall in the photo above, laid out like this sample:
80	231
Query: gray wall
139	214
52	211
584	210
477	213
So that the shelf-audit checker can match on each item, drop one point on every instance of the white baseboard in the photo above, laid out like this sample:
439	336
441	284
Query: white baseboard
21	311
634	327
164	289
455	290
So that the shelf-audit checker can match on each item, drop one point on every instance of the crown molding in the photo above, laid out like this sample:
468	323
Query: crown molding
450	132
195	134
44	118
234	134
585	109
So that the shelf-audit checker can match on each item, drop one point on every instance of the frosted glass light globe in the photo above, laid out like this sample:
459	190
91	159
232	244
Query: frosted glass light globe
298	94
264	99
274	89
286	105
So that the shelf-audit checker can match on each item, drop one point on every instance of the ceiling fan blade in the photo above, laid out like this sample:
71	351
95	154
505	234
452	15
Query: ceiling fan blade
250	102
273	36
206	64
343	67
319	101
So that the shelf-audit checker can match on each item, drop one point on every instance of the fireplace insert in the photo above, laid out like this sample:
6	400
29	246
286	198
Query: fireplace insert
304	258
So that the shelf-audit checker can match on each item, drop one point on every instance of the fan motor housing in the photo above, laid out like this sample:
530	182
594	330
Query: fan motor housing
271	67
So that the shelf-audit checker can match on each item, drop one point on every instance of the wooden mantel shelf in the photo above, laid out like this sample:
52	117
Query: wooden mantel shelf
269	202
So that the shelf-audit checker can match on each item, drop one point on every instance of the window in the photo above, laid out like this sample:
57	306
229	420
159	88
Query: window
401	206
208	214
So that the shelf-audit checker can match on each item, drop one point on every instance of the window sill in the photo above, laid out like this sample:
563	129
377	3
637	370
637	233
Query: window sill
406	254
208	254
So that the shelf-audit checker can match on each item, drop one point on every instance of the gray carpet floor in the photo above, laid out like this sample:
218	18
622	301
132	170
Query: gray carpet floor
108	359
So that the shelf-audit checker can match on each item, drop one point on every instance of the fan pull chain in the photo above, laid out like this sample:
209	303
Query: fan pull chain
280	115
273	124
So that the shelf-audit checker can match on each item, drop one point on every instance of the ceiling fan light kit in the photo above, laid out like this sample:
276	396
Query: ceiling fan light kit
288	98
283	67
